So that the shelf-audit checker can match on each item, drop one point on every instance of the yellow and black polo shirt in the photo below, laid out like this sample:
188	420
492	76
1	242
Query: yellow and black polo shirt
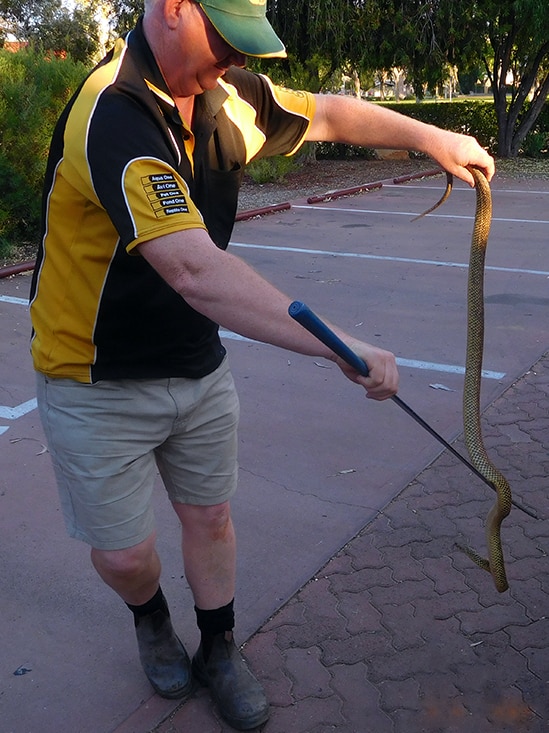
123	169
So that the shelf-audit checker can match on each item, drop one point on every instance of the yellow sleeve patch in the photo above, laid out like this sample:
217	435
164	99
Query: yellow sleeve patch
158	200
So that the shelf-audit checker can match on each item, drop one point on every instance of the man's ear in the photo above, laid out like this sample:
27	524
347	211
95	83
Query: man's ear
172	11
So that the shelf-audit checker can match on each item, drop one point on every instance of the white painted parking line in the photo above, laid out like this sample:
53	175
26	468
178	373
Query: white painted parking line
448	368
385	258
410	363
13	413
413	214
495	191
15	301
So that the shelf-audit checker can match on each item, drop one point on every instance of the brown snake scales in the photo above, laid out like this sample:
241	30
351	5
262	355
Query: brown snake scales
494	563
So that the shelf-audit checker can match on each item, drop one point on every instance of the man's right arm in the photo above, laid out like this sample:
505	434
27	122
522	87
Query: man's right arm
227	290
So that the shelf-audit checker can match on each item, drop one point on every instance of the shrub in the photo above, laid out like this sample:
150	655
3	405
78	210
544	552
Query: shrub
474	117
470	116
271	170
33	91
19	207
535	144
338	151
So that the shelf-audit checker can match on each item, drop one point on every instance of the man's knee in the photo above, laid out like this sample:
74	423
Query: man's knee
131	562
215	520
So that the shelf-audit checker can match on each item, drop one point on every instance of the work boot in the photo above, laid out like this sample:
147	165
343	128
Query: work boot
237	693
163	656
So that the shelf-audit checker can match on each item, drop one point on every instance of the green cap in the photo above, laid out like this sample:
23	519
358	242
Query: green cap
244	25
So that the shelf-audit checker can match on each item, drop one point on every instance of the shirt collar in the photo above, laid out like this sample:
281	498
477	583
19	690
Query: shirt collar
210	100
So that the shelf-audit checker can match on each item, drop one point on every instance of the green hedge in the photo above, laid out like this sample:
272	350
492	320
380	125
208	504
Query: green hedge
33	91
472	117
475	117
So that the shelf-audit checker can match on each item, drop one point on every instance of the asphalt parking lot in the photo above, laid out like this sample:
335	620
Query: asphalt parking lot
319	466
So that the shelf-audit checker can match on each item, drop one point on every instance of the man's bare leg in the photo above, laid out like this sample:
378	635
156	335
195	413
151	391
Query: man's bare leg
134	573
209	553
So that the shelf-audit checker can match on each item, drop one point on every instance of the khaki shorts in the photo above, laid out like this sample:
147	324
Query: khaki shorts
108	441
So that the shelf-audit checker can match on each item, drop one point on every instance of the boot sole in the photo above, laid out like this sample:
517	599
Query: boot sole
181	694
238	723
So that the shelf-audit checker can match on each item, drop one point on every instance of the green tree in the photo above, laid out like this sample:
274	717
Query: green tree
428	38
322	37
124	14
360	36
50	26
424	37
517	64
508	38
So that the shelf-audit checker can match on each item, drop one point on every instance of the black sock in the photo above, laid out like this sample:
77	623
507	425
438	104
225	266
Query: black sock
156	603
211	623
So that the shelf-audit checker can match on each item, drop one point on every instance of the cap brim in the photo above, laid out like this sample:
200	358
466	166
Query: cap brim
250	36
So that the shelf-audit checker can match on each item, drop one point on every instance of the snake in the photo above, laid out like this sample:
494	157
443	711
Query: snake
494	563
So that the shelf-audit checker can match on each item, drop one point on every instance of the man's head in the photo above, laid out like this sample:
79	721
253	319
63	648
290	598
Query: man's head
244	26
196	41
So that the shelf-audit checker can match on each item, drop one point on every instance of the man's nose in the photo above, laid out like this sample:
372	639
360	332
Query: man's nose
238	59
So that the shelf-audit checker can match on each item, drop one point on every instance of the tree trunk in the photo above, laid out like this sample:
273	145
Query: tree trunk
511	136
505	131
356	84
502	59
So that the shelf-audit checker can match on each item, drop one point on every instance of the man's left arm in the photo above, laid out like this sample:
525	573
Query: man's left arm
355	122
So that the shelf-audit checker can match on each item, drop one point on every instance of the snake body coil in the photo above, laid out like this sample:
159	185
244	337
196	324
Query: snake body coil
494	564
471	390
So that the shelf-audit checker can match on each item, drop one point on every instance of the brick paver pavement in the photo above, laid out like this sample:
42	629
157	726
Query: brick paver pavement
400	632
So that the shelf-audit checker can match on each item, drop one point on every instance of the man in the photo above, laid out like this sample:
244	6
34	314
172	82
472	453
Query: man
131	283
